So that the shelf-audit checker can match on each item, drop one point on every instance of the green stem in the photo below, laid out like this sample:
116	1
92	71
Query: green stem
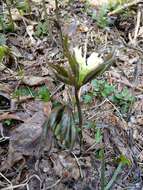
79	116
113	179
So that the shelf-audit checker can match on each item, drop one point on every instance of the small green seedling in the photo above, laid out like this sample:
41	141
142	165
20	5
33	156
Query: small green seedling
101	18
102	89
97	131
23	91
98	135
88	98
23	6
41	29
44	94
5	51
124	99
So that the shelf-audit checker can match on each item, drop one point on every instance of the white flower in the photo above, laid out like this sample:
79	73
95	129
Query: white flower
86	65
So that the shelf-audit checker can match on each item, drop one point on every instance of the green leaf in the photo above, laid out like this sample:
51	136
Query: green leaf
65	121
3	51
63	75
23	91
73	135
57	130
108	90
55	116
124	160
64	79
98	135
65	130
95	85
41	29
89	125
44	94
59	69
87	98
67	135
71	58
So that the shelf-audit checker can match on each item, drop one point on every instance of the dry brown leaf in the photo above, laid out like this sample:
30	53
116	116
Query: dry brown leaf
65	165
33	80
4	87
25	138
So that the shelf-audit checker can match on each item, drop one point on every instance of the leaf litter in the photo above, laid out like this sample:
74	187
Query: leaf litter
21	152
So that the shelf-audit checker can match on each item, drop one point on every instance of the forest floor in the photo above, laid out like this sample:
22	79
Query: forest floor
112	104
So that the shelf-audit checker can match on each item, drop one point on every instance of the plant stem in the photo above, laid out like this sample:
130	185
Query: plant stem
102	169
113	179
58	23
79	116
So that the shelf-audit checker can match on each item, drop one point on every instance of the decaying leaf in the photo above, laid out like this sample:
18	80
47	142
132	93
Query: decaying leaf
33	80
25	138
65	165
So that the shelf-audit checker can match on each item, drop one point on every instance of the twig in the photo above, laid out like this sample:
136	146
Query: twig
81	174
115	108
56	183
127	5
11	187
130	46
5	178
96	106
133	41
131	86
56	90
94	146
